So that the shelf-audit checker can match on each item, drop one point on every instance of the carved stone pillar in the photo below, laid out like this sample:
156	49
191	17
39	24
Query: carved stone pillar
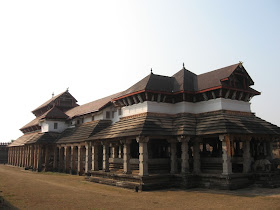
18	161
55	158
185	168
27	156
114	151
227	166
20	156
120	151
60	159
47	158
66	159
15	156
39	155
73	160
247	160
80	160
173	156
126	156
88	157
105	157
196	156
35	157
143	155
32	156
24	156
95	156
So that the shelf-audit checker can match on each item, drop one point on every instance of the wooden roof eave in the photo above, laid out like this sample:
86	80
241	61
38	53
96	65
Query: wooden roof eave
252	91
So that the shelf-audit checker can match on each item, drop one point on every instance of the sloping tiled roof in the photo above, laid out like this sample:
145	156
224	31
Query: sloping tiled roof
48	102
32	123
153	124
54	113
213	78
35	137
24	139
185	124
226	122
183	80
148	124
93	106
152	82
82	132
44	138
220	122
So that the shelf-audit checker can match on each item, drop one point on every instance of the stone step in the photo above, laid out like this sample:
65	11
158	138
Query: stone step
136	183
113	182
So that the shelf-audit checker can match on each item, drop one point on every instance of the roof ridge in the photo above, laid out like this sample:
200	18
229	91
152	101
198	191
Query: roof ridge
50	100
219	69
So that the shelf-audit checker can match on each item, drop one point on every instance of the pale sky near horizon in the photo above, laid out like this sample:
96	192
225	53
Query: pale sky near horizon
97	48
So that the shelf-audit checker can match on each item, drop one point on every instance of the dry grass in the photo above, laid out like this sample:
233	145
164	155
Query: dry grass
30	190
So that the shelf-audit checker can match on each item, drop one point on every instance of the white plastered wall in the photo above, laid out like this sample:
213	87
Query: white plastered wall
114	116
48	126
187	107
167	108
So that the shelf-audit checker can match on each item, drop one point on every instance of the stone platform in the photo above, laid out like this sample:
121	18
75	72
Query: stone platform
267	179
131	181
164	181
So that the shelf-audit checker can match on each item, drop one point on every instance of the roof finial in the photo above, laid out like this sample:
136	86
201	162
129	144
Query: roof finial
151	70
240	64
67	89
52	94
183	65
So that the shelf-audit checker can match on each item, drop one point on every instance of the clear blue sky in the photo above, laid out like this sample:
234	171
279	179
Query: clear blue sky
97	48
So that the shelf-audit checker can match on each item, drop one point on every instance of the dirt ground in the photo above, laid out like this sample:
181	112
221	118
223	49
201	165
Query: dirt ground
23	189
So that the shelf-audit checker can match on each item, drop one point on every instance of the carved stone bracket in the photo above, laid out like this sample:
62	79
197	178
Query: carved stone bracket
142	139
183	138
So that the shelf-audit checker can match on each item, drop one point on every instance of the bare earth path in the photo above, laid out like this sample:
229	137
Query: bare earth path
30	190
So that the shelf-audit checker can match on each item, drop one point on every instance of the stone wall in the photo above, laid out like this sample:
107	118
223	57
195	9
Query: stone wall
3	153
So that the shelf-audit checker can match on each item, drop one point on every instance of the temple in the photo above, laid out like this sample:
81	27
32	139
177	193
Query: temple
184	131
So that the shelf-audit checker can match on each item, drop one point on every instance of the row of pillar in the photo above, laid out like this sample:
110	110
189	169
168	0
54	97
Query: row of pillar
30	156
67	156
26	156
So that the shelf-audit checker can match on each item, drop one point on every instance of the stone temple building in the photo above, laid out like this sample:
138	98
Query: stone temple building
186	131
